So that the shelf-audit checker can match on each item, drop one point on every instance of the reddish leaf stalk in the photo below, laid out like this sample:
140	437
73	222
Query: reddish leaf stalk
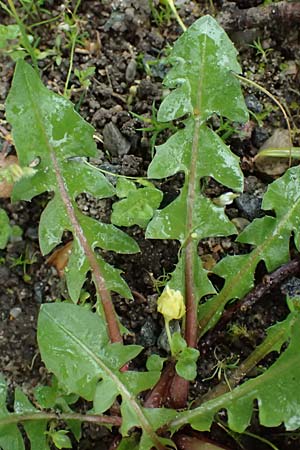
191	301
158	396
109	312
180	387
35	416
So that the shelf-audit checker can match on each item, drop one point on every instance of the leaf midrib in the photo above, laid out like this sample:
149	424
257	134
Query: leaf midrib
225	400
145	424
254	258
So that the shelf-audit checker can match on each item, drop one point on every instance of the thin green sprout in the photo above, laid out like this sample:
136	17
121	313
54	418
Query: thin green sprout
177	17
25	39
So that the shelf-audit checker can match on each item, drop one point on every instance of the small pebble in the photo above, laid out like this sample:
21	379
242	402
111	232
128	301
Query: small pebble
15	312
271	165
4	273
259	136
240	223
291	287
32	233
148	333
253	103
249	206
114	141
38	289
130	71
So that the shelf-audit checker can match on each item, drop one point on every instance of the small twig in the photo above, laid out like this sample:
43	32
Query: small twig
74	39
275	100
233	19
25	39
139	296
269	283
176	15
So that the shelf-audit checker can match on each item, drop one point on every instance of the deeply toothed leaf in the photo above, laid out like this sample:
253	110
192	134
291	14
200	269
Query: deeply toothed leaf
47	129
202	83
270	237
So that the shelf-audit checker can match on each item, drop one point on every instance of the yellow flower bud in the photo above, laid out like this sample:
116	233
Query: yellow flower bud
171	305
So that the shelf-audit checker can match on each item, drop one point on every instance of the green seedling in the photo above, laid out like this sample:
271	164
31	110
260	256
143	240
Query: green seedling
260	50
160	282
203	80
58	437
155	127
24	260
264	114
226	129
237	332
221	368
161	12
136	206
84	76
32	8
270	2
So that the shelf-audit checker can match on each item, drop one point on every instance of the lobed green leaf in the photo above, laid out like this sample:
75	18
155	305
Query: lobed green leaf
47	130
138	207
35	430
203	59
10	435
74	346
270	237
276	390
202	84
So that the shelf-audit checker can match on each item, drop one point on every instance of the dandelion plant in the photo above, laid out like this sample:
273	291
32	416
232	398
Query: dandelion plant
83	347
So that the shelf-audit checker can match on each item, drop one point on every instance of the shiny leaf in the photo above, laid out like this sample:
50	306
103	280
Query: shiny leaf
35	430
74	346
137	208
202	83
276	390
203	59
10	435
270	237
5	229
60	140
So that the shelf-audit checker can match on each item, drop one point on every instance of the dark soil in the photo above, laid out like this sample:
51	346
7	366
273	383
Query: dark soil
124	43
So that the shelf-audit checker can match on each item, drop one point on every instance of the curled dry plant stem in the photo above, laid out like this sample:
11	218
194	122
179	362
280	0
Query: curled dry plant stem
275	100
74	38
261	439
